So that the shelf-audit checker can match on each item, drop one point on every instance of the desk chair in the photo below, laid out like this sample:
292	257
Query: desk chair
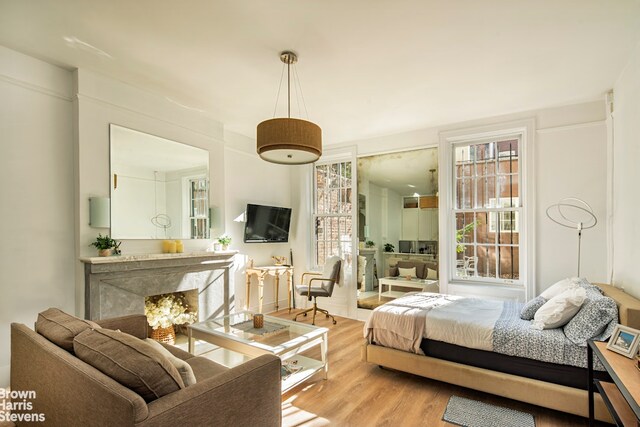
321	286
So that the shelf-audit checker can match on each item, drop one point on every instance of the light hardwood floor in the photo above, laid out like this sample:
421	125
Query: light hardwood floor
361	394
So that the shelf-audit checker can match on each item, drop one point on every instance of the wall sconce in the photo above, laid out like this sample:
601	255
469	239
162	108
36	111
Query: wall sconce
99	216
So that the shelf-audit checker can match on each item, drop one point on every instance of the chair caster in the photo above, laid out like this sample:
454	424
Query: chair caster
304	314
334	322
327	316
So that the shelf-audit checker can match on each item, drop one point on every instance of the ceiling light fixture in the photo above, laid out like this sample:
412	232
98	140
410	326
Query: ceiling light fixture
285	140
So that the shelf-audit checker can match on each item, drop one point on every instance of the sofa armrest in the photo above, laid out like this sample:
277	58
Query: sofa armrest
135	324
247	395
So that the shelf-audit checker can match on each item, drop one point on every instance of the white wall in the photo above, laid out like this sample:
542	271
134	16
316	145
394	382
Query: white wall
36	193
626	177
249	179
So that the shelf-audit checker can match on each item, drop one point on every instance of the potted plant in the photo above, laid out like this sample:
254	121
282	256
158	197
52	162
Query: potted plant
369	243
106	246
225	241
165	311
388	247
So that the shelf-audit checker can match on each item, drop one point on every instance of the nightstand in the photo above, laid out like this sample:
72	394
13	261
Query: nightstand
623	394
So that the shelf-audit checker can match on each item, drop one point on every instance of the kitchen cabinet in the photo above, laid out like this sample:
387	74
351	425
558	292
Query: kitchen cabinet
428	224
410	219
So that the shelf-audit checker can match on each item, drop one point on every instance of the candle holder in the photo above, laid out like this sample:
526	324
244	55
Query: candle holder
258	321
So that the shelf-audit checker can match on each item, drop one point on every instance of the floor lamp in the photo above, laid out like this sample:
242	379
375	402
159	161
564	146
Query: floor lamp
560	214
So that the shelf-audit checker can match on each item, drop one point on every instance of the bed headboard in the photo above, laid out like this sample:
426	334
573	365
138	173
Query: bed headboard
628	306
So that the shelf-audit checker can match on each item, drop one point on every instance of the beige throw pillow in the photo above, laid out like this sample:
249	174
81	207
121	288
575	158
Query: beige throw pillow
432	274
60	328
560	309
185	370
404	272
128	360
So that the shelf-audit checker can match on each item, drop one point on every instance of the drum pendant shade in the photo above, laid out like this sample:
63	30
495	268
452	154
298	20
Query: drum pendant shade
285	140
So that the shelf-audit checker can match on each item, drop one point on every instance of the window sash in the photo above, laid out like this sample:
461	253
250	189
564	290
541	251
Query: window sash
335	201
474	171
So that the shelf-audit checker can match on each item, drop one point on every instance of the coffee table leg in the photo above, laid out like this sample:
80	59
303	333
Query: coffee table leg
324	347
277	288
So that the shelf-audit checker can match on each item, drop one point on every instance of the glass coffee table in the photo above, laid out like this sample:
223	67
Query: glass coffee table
281	337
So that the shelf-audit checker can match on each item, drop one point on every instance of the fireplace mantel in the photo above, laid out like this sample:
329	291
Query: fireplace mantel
116	285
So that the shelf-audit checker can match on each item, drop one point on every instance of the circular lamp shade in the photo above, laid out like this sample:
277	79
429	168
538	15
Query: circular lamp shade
289	141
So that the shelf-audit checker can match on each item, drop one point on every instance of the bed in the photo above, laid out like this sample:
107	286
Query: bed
553	382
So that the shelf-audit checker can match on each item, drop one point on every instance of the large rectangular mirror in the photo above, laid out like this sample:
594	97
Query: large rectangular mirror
159	188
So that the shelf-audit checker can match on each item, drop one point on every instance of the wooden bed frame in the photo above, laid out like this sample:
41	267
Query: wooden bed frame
536	392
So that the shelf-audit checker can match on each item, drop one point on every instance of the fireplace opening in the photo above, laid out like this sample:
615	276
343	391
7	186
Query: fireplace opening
169	314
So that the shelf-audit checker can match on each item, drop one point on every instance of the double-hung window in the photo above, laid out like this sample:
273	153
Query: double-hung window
487	210
333	211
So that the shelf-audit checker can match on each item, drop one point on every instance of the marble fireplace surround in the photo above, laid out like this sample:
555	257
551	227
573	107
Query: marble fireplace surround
117	285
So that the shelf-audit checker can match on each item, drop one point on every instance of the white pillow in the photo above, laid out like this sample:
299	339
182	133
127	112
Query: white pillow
559	287
560	309
404	272
432	274
185	370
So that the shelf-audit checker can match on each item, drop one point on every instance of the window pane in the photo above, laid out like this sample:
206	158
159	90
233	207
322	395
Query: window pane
509	262
321	205
320	229
485	227
464	228
463	161
334	175
485	153
464	194
508	165
320	251
346	236
508	191
345	196
486	189
509	232
486	261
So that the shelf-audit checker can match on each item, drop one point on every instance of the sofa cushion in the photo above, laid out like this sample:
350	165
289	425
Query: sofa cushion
404	272
60	328
421	267
204	368
432	274
128	360
185	371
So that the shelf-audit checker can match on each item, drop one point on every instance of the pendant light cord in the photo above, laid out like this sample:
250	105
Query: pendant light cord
275	107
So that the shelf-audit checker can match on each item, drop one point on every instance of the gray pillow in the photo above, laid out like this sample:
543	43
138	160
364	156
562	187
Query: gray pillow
530	308
128	360
184	369
60	328
596	319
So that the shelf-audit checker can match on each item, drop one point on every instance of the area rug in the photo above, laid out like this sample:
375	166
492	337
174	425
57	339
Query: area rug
372	302
471	413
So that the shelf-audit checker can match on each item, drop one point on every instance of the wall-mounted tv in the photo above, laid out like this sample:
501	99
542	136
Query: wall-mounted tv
267	224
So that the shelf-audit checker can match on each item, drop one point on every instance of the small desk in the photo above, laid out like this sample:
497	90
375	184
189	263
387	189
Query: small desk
622	395
424	285
270	270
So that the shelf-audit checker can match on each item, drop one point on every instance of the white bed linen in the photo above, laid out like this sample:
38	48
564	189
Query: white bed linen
467	322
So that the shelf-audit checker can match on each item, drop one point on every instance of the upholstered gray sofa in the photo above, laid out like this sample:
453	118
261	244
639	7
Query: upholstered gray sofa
70	392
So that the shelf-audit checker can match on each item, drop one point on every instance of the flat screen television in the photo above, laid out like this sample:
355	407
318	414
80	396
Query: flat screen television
267	224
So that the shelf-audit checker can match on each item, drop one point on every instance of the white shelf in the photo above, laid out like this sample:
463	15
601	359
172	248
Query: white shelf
310	367
393	294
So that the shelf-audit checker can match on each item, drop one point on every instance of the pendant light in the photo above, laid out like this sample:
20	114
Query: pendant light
285	140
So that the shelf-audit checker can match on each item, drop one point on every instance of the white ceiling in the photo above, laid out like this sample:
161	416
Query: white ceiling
368	68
